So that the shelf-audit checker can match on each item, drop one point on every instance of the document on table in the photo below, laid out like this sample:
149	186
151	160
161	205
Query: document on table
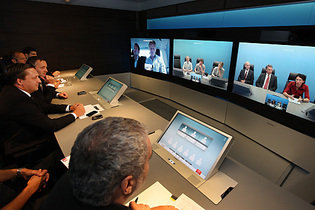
295	100
66	161
158	195
89	108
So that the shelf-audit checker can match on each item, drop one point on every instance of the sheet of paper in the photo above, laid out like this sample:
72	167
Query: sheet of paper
66	161
185	203
155	195
295	100
61	85
88	108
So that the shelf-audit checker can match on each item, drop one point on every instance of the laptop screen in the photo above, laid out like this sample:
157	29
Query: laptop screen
195	144
82	71
110	89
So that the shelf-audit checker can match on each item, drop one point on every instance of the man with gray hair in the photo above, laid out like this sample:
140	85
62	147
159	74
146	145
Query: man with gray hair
109	161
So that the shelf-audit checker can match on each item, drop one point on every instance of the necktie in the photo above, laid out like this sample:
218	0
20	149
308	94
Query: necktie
245	75
267	82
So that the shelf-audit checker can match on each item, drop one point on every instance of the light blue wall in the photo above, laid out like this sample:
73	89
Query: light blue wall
208	50
283	58
281	15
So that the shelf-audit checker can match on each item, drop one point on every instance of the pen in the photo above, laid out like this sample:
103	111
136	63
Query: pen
136	200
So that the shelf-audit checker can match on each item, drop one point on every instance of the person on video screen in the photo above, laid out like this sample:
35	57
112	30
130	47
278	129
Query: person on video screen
218	71
155	60
137	61
267	80
200	68
187	66
297	88
246	75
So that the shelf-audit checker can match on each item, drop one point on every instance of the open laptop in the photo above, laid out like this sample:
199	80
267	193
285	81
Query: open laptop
109	93
83	72
192	148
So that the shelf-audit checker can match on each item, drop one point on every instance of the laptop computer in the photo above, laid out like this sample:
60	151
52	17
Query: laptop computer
192	148
109	93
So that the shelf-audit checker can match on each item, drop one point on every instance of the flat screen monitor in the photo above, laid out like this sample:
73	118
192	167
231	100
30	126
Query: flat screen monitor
284	62
192	147
83	72
112	90
150	54
202	57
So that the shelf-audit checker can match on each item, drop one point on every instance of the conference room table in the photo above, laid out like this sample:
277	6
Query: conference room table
259	95
252	192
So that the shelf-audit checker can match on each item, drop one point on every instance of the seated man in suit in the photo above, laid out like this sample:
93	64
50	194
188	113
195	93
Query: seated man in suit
18	57
23	122
29	52
109	161
246	75
47	88
267	80
137	62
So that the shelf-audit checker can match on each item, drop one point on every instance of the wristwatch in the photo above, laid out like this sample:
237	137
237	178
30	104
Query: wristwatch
19	172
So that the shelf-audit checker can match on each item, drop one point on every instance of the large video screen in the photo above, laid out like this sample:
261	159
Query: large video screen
275	73
148	54
205	62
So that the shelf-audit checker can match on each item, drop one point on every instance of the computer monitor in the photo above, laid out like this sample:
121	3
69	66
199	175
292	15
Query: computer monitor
208	51
192	147
150	55
277	102
112	90
83	72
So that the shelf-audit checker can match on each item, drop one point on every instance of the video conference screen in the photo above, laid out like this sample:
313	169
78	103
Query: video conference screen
150	55
280	76
205	62
194	144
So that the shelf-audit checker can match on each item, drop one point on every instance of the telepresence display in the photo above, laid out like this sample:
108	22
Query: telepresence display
280	76
208	59
150	55
194	144
109	90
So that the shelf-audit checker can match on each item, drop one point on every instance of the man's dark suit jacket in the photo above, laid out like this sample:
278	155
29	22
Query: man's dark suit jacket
140	63
44	93
272	82
249	79
61	197
23	121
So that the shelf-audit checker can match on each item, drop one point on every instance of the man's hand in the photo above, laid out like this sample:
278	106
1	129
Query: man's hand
37	181
243	81
78	109
135	206
50	79
63	95
56	73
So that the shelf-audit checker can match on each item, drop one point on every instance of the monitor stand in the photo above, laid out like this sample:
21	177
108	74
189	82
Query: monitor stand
217	187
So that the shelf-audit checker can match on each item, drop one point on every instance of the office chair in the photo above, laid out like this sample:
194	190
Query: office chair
177	61
157	51
251	67
264	71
